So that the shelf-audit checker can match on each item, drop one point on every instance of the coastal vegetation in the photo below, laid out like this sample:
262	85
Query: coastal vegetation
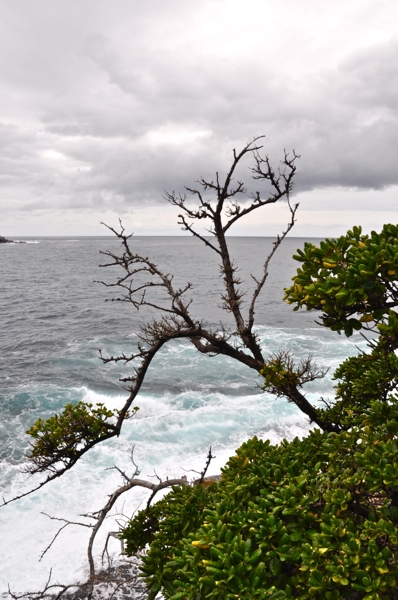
143	285
311	518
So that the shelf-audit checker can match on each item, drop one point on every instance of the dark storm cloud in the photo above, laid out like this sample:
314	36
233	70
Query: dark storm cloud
352	135
107	108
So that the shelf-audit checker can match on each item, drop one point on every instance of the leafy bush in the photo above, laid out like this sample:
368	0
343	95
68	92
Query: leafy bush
351	280
313	518
64	436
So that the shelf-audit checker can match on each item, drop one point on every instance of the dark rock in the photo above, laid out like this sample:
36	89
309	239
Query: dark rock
4	240
120	583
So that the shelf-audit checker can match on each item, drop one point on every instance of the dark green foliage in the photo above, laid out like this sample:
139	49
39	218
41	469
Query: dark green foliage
62	438
164	525
308	519
314	518
182	511
352	280
361	380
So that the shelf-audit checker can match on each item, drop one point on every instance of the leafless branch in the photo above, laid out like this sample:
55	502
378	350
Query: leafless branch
66	524
220	203
177	321
102	514
47	591
208	461
285	378
260	282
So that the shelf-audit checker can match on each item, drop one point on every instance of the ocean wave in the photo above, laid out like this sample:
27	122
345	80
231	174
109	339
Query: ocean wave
170	433
188	403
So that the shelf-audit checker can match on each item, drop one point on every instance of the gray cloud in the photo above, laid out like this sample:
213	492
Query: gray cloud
108	106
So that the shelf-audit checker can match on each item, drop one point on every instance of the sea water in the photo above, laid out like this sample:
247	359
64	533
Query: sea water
53	320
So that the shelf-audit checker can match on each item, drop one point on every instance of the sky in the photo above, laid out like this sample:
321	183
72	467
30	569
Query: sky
105	105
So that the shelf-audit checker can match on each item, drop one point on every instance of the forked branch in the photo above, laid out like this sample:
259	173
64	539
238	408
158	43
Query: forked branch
221	202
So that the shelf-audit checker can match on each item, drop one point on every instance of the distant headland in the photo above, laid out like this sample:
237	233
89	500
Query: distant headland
4	240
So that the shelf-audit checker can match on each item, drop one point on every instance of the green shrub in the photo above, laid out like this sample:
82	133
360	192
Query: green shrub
64	437
351	280
309	519
313	518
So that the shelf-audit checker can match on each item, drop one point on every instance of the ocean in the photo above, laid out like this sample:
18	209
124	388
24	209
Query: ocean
54	319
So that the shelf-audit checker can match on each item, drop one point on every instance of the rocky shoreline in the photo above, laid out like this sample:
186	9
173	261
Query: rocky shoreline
120	582
4	240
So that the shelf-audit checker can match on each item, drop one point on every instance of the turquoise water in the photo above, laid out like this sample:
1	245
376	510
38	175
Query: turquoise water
54	318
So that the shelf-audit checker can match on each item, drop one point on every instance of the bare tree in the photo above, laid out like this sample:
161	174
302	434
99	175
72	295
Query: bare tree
96	520
220	203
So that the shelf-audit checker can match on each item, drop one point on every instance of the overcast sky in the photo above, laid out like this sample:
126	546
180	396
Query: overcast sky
106	104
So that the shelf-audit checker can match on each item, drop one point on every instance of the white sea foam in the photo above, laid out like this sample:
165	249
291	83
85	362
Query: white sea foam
170	434
190	403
